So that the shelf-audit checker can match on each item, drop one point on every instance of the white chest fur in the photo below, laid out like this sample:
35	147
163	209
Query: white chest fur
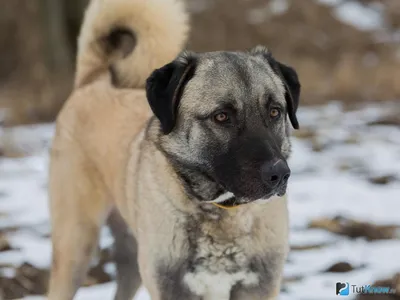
218	266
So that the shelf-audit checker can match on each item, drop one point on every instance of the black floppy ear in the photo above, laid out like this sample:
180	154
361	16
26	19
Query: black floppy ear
290	80
292	96
165	86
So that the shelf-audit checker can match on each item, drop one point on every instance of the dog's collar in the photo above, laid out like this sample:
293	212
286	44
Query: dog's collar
226	204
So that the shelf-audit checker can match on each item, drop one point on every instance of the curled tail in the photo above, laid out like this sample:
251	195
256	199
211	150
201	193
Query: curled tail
129	38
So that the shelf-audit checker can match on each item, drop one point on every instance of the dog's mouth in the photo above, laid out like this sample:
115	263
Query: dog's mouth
281	190
229	200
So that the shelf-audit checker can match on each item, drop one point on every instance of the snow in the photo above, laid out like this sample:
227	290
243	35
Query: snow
363	16
319	187
278	7
261	14
102	291
330	2
360	16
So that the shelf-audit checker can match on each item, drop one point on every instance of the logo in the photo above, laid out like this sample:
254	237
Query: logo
342	288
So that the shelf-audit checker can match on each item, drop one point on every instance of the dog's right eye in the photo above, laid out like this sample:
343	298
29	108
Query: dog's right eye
221	117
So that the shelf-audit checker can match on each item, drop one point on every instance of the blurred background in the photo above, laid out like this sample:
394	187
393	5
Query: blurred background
345	188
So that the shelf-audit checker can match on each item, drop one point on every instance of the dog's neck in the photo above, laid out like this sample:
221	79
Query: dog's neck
197	183
198	186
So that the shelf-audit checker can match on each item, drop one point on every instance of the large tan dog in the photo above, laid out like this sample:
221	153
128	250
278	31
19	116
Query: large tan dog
207	133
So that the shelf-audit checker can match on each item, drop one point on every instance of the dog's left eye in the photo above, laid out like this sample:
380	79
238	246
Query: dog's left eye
221	117
274	113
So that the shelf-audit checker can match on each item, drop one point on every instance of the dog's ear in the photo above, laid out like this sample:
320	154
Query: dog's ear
292	87
164	89
290	80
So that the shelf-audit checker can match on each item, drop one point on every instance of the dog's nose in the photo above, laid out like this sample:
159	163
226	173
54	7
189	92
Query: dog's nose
275	173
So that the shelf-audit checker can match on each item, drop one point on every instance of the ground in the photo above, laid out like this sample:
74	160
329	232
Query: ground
344	207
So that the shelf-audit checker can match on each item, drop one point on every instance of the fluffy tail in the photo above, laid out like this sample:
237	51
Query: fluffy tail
129	38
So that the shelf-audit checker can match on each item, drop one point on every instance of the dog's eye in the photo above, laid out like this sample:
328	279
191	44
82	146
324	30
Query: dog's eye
274	113
221	117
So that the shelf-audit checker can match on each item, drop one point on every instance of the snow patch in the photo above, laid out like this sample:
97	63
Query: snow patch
318	187
362	17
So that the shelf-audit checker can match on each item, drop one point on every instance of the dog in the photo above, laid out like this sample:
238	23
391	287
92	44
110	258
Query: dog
183	154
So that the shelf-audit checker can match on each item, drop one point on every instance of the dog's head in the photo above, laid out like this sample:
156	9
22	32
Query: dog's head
224	121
